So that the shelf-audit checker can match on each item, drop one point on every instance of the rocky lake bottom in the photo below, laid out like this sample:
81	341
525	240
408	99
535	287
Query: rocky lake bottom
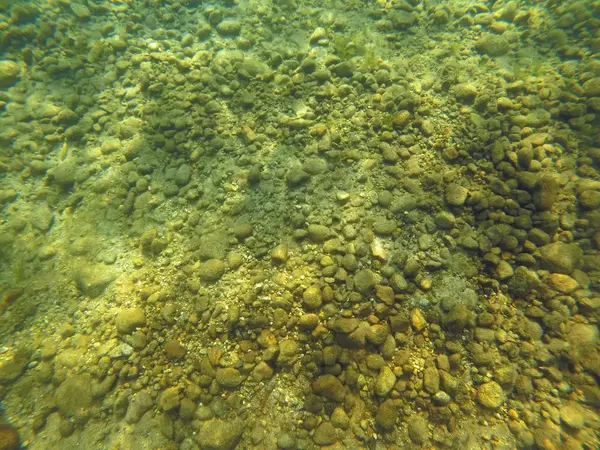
256	224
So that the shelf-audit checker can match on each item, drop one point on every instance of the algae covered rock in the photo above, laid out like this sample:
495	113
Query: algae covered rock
560	257
9	73
492	45
74	395
591	88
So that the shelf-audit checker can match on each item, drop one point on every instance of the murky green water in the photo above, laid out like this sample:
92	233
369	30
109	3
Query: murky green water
299	224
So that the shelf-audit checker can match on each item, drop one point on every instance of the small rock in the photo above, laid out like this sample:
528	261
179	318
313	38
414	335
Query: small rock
80	10
74	395
386	416
573	415
318	233
417	319
441	398
431	379
141	403
229	28
465	92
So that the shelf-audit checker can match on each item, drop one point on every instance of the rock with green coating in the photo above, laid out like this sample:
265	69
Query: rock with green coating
456	195
445	220
211	270
344	325
168	399
546	193
279	254
183	175
295	177
92	280
537	118
289	351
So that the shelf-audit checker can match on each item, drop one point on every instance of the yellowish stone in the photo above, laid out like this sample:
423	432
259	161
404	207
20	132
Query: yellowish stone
563	283
417	319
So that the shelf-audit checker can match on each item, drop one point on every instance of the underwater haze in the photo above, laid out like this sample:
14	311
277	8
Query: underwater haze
288	224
